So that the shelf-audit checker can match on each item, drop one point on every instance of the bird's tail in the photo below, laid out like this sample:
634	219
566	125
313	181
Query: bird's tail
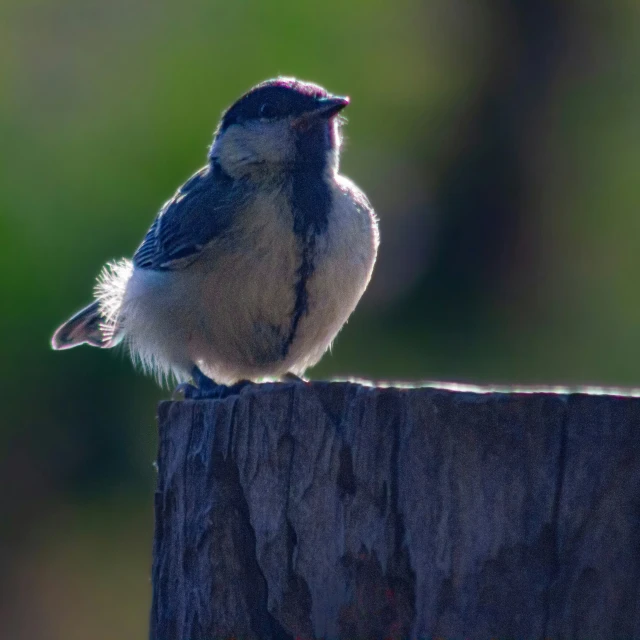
88	326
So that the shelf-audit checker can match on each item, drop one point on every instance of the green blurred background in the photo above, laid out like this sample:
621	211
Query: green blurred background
499	141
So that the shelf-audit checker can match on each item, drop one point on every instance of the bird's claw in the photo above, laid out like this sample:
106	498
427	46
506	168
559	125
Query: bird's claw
206	389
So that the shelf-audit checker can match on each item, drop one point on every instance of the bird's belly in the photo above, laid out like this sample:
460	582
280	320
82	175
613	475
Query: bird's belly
247	301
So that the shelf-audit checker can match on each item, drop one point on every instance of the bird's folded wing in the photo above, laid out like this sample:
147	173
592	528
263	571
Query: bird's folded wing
200	211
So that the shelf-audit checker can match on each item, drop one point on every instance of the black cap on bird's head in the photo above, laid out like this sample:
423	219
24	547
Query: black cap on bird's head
279	126
284	98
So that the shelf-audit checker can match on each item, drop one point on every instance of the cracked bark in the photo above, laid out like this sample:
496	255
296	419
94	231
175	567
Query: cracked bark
332	510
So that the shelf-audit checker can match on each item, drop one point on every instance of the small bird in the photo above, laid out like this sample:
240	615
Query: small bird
258	260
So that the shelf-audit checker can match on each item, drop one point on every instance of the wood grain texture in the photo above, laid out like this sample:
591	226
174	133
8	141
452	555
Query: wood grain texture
334	510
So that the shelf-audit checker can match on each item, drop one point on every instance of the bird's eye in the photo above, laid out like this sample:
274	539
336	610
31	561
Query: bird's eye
267	111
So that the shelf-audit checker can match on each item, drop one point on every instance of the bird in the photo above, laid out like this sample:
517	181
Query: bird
255	264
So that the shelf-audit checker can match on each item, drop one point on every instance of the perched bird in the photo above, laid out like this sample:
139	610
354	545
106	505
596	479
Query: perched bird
257	261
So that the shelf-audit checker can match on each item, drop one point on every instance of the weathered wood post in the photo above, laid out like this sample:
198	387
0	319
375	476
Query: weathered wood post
335	510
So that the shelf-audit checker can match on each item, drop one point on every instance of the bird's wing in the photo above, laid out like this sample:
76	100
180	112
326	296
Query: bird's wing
200	211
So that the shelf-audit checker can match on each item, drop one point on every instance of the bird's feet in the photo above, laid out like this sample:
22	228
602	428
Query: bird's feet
203	388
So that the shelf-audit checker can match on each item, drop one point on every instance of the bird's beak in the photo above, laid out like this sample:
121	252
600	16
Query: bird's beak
328	107
324	108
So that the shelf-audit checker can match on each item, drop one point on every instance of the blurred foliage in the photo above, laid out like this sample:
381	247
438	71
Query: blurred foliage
499	141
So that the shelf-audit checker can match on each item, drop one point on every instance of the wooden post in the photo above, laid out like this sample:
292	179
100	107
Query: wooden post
335	510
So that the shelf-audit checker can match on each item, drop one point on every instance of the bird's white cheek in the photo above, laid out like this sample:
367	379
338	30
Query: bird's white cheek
274	143
252	147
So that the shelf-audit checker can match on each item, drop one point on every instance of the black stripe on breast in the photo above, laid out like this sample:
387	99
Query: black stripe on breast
311	204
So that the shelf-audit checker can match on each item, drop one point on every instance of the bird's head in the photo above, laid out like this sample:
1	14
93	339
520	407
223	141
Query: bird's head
279	126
